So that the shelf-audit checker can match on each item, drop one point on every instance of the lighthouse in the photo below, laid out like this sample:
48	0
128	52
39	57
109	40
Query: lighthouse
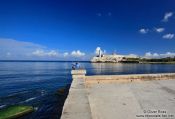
100	54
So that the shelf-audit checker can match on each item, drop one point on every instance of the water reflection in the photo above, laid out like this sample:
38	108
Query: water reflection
122	68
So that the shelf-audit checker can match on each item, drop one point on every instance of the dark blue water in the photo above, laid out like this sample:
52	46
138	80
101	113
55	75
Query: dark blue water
36	83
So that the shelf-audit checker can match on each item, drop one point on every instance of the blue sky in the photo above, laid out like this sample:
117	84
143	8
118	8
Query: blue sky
73	29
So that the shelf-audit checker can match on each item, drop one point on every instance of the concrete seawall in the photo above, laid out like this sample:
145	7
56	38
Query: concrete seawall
77	105
112	96
127	78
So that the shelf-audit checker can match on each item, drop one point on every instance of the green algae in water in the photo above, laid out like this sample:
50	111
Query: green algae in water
13	112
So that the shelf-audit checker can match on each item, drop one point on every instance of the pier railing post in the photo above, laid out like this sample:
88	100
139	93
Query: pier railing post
78	74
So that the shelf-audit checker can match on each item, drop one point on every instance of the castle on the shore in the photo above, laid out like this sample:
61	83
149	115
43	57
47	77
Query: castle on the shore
113	58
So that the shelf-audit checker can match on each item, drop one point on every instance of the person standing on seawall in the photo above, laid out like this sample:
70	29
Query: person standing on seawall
76	66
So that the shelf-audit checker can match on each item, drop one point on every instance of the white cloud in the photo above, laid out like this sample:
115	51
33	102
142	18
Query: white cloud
148	54
168	54
18	50
77	53
65	54
159	30
52	53
151	55
143	31
167	16
14	49
156	55
42	53
39	53
132	55
6	43
168	36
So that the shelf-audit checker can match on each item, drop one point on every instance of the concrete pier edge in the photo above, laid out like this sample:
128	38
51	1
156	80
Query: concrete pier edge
77	103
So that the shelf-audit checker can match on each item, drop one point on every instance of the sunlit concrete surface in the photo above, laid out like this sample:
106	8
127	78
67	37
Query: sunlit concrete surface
131	100
77	103
118	99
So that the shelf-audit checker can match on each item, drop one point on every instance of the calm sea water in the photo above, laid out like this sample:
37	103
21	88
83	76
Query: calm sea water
36	83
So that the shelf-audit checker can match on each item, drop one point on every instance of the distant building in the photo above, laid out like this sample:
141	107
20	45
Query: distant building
114	58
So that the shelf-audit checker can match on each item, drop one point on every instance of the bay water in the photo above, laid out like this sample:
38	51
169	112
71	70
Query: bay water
36	83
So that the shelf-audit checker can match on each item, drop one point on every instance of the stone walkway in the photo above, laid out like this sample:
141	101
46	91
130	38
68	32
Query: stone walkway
154	99
77	104
130	100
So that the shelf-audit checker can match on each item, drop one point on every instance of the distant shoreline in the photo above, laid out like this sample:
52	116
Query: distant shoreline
137	62
157	63
87	62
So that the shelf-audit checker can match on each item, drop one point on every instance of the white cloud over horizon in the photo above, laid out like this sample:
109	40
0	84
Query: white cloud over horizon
77	53
19	50
14	49
167	16
143	31
159	30
168	36
42	53
133	55
65	54
156	55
